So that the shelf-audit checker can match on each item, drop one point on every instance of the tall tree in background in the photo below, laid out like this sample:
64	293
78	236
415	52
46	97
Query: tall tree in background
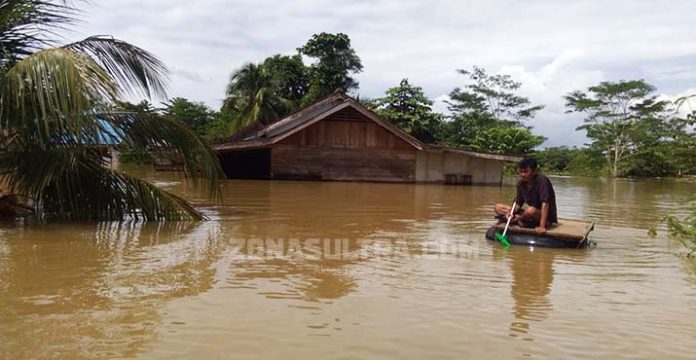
492	97
335	62
253	94
290	75
408	108
684	130
58	104
618	115
488	116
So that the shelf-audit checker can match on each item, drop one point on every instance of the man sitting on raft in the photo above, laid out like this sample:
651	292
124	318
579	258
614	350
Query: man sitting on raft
536	190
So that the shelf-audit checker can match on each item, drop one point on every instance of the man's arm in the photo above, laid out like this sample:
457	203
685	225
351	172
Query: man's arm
519	201
541	229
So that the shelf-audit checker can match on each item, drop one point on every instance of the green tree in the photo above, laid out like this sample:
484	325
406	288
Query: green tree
58	104
682	227
488	116
587	162
616	114
335	62
291	76
652	150
555	159
220	127
683	148
573	161
196	115
492	98
254	95
408	108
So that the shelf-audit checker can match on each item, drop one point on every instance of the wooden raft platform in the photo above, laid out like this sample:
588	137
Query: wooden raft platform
567	229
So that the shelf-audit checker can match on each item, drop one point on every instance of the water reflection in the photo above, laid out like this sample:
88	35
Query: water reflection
533	273
289	248
95	293
532	278
411	259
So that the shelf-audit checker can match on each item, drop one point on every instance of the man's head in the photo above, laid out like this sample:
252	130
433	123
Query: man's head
527	169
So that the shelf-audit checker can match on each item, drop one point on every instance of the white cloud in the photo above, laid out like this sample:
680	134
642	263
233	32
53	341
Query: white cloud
552	47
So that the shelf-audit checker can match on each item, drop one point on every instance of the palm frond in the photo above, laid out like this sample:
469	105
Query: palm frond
51	93
26	26
151	132
134	69
71	183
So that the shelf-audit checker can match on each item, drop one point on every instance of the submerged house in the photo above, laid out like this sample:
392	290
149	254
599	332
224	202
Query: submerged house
337	138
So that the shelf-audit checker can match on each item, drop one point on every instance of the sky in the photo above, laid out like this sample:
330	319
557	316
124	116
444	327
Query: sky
552	47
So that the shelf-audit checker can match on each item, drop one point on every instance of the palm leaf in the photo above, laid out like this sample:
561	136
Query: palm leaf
58	100
52	94
57	106
71	183
151	132
25	26
133	68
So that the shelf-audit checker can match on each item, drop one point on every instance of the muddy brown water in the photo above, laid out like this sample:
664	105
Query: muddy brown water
337	270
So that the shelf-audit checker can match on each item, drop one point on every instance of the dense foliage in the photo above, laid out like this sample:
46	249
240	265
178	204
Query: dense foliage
59	107
682	228
488	116
621	118
335	61
408	108
632	133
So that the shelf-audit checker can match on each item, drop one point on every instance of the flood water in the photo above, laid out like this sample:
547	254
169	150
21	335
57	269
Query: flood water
333	270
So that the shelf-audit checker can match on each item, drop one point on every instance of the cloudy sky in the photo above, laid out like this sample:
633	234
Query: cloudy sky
551	46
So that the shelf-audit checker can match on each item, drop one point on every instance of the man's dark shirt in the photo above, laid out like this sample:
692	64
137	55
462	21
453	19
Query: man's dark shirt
540	191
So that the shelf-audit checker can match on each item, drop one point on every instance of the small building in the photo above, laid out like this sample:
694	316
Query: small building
338	138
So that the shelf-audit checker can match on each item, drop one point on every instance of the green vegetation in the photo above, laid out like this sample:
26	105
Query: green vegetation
270	90
253	94
407	107
60	105
488	116
335	61
683	228
632	133
619	117
197	116
572	161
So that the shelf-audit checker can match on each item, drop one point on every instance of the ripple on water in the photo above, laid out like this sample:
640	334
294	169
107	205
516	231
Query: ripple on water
420	281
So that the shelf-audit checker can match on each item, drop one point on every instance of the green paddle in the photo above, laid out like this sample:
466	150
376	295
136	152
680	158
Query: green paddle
501	237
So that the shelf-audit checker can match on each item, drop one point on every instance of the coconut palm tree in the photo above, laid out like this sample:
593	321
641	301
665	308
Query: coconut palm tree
253	95
58	103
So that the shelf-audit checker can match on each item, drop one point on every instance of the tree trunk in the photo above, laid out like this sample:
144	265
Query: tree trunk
610	163
617	156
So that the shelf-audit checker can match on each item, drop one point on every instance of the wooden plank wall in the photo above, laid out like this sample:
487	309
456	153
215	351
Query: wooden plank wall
344	146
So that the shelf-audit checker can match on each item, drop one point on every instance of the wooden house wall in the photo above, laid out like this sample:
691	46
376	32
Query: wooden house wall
344	146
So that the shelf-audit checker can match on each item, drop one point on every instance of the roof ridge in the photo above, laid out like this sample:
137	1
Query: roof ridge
299	113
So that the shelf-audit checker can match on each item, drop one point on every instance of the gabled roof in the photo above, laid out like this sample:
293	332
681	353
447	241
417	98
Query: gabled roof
257	135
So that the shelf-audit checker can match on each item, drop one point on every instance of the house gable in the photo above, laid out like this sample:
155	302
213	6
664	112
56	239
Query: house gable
347	128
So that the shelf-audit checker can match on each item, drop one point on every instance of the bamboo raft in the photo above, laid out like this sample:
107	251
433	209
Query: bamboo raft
568	233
